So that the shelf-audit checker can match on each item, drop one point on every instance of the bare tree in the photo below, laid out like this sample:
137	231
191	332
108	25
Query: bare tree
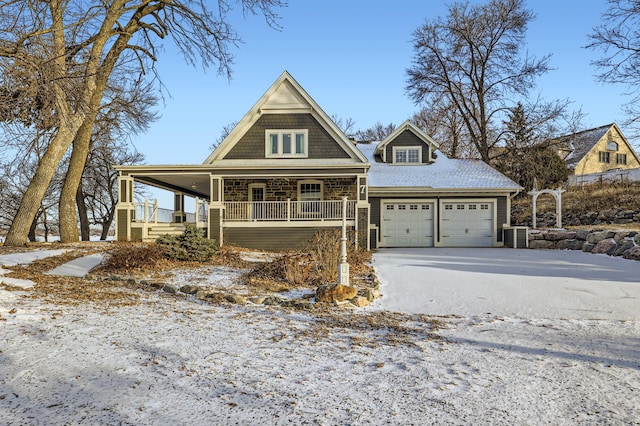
618	38
376	133
75	48
474	59
442	121
346	125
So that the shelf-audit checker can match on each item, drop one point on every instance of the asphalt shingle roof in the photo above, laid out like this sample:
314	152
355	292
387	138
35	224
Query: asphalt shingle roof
579	144
444	173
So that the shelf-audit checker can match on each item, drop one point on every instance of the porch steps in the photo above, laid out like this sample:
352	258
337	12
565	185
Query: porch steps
163	228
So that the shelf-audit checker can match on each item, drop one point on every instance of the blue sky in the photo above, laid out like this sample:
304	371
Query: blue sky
351	57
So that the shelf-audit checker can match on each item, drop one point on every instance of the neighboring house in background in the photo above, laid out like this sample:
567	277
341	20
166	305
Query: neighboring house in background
284	171
597	150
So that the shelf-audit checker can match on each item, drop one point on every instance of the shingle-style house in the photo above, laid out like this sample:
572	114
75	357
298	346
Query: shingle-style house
284	173
597	150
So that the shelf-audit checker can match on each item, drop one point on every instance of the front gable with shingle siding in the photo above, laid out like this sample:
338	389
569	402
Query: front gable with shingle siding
251	145
407	145
286	107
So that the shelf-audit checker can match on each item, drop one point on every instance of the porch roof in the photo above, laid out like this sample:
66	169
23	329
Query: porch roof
194	179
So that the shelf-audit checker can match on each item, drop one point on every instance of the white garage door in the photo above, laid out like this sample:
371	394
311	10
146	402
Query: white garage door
407	224
467	225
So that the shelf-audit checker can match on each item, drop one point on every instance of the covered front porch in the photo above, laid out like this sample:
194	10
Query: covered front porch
271	212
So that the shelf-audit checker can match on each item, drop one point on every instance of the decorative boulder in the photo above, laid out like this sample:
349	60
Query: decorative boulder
622	247
604	246
570	244
335	293
588	247
541	244
596	237
360	301
632	254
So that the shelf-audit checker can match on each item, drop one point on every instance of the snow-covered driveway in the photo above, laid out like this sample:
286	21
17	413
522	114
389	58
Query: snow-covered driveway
508	282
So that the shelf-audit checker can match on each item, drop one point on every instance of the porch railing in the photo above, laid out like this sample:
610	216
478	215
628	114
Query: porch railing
147	212
263	211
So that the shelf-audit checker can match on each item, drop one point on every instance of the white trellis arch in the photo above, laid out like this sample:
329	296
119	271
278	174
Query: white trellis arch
557	194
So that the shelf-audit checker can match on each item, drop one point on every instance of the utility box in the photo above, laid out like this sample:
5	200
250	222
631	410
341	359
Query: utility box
516	236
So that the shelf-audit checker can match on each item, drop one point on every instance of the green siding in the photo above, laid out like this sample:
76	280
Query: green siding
123	224
252	144
363	228
501	215
214	193
269	238
375	211
214	225
407	138
136	234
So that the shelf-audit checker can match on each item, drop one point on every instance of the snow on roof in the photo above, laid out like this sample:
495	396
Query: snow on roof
444	173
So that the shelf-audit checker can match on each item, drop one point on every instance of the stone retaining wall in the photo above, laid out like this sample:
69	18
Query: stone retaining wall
613	243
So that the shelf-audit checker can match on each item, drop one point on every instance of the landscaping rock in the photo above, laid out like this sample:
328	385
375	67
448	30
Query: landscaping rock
632	254
596	237
559	234
335	293
272	301
622	247
542	245
636	239
236	298
298	304
369	294
170	288
570	244
360	301
588	247
258	300
604	246
189	289
581	234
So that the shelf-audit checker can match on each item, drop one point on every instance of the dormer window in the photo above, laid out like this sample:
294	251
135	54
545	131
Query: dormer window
407	155
286	143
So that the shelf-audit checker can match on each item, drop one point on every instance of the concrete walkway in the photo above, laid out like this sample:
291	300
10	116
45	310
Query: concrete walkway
508	282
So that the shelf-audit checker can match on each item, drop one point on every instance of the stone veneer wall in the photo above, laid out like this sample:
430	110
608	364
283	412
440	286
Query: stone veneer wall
280	189
613	243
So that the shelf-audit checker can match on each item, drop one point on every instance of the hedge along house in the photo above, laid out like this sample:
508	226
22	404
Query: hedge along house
278	177
284	171
421	198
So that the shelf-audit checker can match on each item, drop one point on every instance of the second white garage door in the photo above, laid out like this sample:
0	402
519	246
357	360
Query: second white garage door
467	224
407	224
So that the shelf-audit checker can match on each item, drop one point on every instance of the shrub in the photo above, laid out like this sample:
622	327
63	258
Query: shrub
325	248
133	256
192	245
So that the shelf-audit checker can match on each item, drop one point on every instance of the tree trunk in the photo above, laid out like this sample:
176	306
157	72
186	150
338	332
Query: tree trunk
82	214
32	230
107	223
67	207
30	203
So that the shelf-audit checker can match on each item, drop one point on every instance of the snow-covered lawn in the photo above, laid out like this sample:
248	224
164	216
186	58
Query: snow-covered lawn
175	360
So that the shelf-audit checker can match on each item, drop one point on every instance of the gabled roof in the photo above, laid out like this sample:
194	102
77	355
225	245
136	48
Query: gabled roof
444	174
580	143
407	125
285	95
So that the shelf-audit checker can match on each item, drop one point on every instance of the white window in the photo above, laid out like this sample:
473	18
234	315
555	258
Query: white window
286	143
448	206
407	155
460	207
309	196
472	206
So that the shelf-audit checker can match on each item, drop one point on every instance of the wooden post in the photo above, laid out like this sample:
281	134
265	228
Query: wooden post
343	268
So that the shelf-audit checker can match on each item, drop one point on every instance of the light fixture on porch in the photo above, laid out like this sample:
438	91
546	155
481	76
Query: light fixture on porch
194	186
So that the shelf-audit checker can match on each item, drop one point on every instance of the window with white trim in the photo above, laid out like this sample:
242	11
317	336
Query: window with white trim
286	143
309	196
407	155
